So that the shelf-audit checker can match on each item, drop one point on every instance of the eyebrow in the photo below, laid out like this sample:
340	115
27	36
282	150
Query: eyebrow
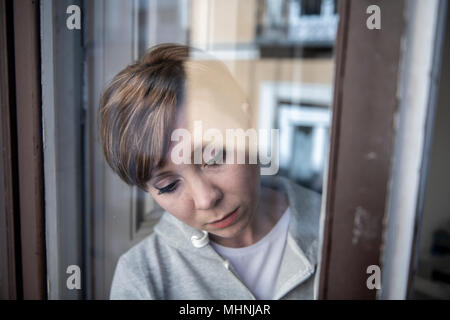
217	150
163	163
158	167
154	180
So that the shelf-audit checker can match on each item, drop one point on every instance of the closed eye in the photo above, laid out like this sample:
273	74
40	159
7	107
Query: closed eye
212	162
167	189
217	160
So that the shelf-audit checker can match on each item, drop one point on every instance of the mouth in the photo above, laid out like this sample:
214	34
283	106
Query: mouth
225	221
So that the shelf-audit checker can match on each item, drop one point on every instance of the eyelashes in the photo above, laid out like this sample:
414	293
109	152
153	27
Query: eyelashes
217	160
169	188
214	162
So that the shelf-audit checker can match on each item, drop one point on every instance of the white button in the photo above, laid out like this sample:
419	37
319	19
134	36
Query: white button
200	242
226	263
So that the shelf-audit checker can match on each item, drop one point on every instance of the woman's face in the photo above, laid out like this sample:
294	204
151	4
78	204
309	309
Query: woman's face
218	198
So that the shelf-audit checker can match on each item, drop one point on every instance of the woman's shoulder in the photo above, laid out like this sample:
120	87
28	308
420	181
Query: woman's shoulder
138	273
131	272
141	250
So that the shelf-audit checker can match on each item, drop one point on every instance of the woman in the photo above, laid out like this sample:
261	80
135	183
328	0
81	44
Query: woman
227	232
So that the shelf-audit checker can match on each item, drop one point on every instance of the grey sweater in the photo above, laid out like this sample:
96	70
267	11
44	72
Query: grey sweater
166	265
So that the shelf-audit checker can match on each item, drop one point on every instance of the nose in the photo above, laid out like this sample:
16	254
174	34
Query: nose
204	193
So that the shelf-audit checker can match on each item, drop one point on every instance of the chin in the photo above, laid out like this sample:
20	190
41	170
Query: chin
231	231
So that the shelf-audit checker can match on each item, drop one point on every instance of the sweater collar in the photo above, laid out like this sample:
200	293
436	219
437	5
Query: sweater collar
303	226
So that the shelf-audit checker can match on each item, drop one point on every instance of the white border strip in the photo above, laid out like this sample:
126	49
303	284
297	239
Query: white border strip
414	93
49	152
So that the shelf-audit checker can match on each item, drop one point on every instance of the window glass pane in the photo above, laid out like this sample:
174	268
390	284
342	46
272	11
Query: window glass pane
265	67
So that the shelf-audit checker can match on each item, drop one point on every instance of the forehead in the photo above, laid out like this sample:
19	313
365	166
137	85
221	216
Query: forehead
213	98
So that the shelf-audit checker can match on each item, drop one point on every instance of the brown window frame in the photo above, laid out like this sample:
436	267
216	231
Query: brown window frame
9	263
21	172
362	142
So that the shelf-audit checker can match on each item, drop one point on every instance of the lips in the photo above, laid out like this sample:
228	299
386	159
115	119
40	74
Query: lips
225	221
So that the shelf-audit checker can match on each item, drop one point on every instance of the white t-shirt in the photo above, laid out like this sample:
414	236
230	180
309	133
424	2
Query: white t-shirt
258	264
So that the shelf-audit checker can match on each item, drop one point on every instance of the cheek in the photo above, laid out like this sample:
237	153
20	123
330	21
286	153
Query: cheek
241	179
176	205
246	174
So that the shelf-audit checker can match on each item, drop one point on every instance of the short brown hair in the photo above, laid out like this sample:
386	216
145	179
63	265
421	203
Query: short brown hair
137	111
